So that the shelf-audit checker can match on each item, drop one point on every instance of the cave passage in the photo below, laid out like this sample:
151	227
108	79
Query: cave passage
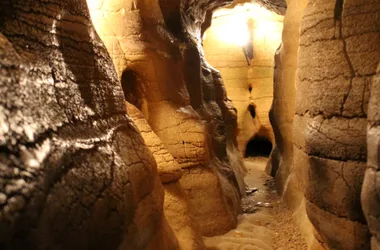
258	146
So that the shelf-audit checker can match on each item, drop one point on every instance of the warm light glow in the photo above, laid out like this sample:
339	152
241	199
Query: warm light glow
235	31
235	28
267	29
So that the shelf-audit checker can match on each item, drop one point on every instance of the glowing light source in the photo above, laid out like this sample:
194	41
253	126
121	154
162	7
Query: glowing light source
235	31
232	24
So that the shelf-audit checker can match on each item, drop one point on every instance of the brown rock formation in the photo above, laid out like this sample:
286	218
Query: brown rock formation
74	171
343	40
289	170
156	48
338	56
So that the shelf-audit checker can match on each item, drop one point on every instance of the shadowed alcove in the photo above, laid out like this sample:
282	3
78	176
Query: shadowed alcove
258	146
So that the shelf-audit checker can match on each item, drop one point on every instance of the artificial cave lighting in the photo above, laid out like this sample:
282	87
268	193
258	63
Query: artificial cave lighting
237	22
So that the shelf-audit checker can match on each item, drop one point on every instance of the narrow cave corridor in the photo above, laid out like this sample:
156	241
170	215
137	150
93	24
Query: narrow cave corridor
189	125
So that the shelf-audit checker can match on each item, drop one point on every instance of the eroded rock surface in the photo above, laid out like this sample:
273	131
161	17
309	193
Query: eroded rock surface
177	208
283	106
156	47
338	57
332	97
74	171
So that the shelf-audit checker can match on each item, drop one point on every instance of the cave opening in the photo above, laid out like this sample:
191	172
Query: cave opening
129	84
251	28
258	146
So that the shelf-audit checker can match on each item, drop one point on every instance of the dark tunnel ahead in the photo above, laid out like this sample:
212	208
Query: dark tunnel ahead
258	146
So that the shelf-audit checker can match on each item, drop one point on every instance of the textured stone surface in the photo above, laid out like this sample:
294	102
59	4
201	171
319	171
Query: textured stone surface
283	106
338	56
286	162
74	170
342	38
247	86
156	48
168	169
177	208
181	217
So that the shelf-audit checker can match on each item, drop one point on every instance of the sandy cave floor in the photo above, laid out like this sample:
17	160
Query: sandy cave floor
266	223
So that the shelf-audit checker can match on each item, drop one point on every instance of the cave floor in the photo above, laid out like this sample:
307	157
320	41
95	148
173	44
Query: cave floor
266	223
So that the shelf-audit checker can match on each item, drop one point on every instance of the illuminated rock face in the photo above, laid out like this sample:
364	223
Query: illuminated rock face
338	56
283	107
330	125
250	87
74	171
157	51
177	207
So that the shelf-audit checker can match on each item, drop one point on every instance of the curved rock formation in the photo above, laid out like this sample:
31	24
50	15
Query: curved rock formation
338	56
74	171
157	50
78	172
177	207
283	106
331	108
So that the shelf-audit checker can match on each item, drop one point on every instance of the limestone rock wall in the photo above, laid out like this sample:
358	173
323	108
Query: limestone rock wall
323	172
157	50
74	170
338	57
247	86
289	173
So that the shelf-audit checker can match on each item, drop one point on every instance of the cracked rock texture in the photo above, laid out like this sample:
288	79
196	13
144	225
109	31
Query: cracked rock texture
74	170
289	170
323	173
156	48
333	89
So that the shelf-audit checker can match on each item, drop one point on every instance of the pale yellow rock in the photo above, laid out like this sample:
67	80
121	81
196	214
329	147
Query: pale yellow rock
177	209
246	84
167	168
